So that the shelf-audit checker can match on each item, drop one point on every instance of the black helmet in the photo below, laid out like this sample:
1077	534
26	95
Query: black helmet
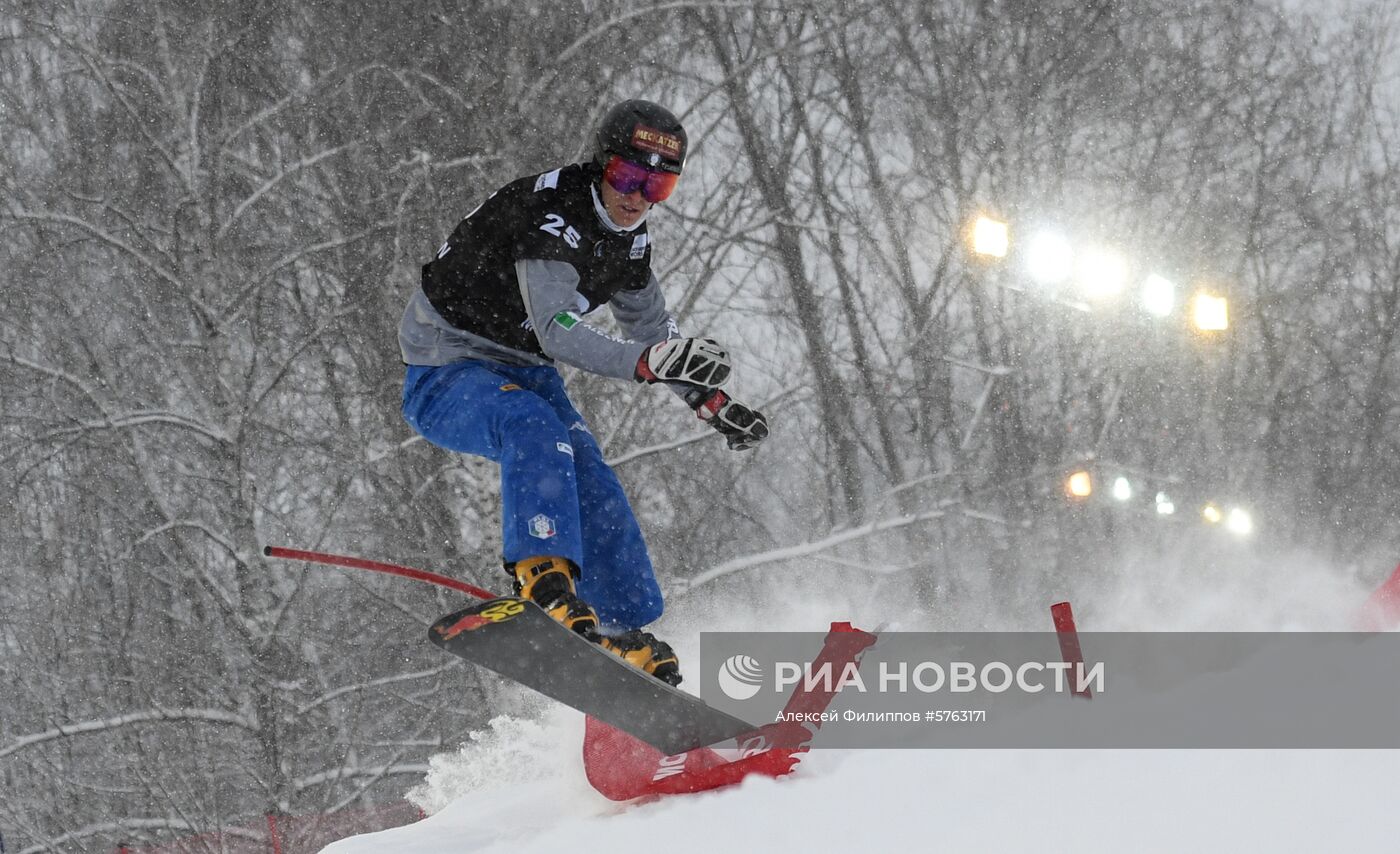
642	132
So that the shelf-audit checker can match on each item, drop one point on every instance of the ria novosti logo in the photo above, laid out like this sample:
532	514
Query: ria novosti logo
740	677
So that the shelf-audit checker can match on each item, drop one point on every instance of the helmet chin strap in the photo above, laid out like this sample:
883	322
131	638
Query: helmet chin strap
602	212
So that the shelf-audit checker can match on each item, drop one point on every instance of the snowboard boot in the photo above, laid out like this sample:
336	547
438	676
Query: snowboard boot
549	582
643	651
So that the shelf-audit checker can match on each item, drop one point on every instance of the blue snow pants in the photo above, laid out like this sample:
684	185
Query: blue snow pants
558	497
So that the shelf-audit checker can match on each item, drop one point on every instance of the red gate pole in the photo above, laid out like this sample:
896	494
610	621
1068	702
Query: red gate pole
272	833
379	566
1070	651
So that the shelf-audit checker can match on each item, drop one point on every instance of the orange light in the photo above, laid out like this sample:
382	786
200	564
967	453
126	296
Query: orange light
989	237
1079	485
1211	313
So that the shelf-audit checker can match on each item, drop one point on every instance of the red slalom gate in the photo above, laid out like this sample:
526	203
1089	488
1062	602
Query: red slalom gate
1070	651
1382	610
622	768
379	566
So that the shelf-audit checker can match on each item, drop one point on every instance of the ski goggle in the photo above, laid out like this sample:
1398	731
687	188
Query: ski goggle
627	177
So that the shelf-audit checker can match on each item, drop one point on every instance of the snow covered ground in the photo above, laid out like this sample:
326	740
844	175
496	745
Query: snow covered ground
961	800
520	786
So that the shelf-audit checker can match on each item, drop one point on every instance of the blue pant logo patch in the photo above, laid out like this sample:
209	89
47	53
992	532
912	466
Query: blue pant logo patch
542	527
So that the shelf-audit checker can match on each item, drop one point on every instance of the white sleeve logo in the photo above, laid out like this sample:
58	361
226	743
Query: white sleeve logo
547	181
554	224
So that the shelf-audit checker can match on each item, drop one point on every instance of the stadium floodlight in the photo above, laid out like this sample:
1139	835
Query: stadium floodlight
1211	514
1079	485
1158	295
1165	505
1049	258
1239	522
1122	489
1102	273
1210	313
990	237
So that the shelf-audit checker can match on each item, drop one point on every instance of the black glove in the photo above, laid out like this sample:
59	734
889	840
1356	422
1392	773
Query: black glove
741	426
694	361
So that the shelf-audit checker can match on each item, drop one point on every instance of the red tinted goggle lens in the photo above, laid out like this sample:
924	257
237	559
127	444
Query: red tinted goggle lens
627	177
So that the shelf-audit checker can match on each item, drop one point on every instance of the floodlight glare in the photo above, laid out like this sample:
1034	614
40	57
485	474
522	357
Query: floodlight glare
1049	259
1079	485
1158	295
1239	522
1211	513
1165	507
1211	313
989	237
1122	489
1102	273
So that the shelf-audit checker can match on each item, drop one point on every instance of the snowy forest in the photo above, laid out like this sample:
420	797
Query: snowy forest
213	214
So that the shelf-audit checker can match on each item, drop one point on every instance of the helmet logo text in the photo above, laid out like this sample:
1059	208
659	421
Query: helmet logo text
657	142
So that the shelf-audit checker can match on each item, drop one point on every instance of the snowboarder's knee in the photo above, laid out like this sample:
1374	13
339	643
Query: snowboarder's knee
529	419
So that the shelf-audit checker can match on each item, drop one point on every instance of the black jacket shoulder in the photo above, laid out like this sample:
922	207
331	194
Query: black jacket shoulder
551	216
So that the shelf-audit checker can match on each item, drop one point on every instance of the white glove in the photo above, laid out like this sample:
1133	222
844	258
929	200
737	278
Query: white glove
696	361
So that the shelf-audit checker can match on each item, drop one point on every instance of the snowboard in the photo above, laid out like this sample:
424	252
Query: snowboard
515	638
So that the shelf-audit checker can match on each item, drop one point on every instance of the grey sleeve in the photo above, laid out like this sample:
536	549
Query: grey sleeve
642	314
643	317
553	303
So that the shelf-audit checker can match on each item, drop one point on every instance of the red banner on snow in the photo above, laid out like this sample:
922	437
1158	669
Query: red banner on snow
622	768
1382	611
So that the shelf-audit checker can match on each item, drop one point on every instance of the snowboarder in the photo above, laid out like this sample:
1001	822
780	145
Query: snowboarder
504	299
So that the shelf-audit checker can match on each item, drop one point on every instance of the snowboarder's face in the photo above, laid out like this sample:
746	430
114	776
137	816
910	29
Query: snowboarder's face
624	210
